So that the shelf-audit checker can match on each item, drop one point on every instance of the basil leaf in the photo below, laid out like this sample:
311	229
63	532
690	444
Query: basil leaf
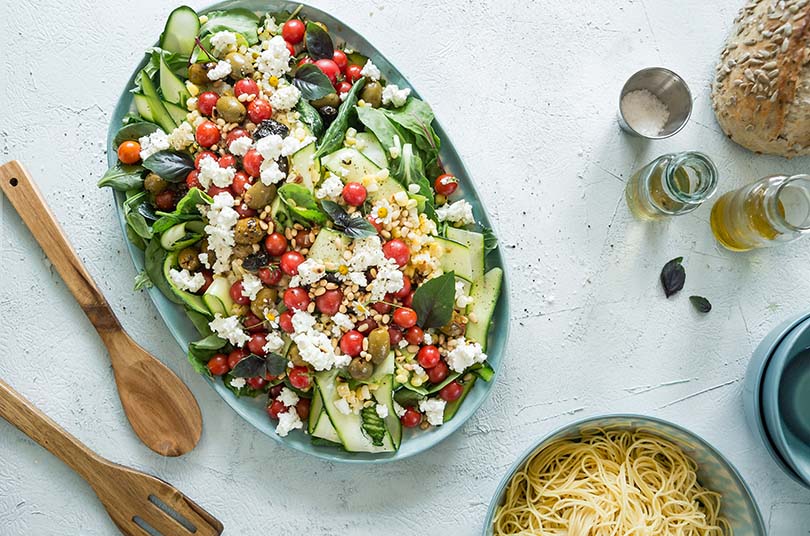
319	44
211	342
310	116
490	240
379	125
154	256
433	301
249	367
333	137
133	131
276	364
200	322
142	281
312	83
300	201
416	118
407	397
147	211
673	276
353	226
171	166
701	304
409	170
122	177
132	213
373	425
357	59
186	210
239	20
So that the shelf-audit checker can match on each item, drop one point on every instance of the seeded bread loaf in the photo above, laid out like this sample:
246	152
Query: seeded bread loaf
761	93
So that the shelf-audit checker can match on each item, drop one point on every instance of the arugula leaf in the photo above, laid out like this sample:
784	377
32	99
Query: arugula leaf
353	226
200	322
122	177
172	166
409	171
333	137
133	216
373	425
301	203
239	20
133	131
142	281
319	44
154	256
310	116
186	210
433	301
312	83
378	123
490	240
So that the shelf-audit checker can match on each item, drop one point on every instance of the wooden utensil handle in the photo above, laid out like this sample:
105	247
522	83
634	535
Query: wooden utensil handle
39	427
20	189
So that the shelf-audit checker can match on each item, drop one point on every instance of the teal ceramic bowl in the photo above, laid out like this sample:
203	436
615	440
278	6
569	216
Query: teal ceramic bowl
183	331
752	390
715	471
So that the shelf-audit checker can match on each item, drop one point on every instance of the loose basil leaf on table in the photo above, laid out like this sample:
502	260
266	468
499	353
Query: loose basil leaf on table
310	116
673	276
353	226
319	44
122	177
171	166
433	301
239	20
133	131
300	201
312	83
701	304
333	137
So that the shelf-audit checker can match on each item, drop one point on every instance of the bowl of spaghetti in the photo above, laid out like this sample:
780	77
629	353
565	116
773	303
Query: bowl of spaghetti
623	474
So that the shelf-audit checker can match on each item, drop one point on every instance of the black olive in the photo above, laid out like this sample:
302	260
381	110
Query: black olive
270	126
332	277
283	164
328	113
255	261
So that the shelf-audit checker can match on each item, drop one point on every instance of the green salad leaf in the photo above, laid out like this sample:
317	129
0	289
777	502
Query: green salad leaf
353	226
200	322
407	396
332	139
409	170
239	20
378	124
172	166
142	281
122	177
490	240
200	352
312	83
310	116
133	215
415	119
301	203
133	131
186	210
319	44
373	425
433	301
154	257
176	63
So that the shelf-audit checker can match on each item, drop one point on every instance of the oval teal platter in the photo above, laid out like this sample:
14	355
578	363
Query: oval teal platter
253	410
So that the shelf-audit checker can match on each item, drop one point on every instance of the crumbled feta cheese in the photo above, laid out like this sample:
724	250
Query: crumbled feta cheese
292	145
221	219
399	410
204	259
370	71
311	271
287	421
154	142
464	355
251	285
393	95
240	146
433	408
183	280
211	173
222	42
275	59
462	300
427	338
357	278
382	212
330	188
222	69
315	347
238	383
182	136
458	212
388	280
270	172
342	406
367	252
274	343
288	397
285	98
230	329
270	146
343	321
418	370
382	410
403	343
302	322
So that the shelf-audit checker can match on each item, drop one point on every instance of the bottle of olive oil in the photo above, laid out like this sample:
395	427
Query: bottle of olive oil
671	185
768	212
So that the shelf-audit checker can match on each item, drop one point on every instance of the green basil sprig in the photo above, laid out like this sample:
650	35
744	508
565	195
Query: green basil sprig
333	137
319	44
433	301
301	203
312	83
253	365
171	166
352	225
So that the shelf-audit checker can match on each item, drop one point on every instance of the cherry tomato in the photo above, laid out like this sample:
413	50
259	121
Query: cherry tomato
407	301
451	392
340	59
414	335
204	154
129	152
236	294
285	321
354	194
303	408
397	250
252	163
381	307
270	276
256	343
329	302
290	262
411	418
235	357
300	378
241	182
351	343
207	134
302	239
438	373
394	335
305	60
244	211
445	184
206	102
227	161
246	86
258	110
253	323
428	356
329	68
257	382
405	317
275	244
165	200
296	299
276	407
275	390
290	48
209	278
353	72
373	221
218	364
343	87
406	288
214	191
193	179
235	134
293	31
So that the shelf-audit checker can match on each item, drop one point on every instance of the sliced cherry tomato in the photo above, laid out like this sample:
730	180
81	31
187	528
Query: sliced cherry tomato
296	299
204	154
290	262
397	250
405	317
275	244
329	68
353	72
451	392
271	275
252	163
258	110
246	86
300	378
206	102
351	343
354	194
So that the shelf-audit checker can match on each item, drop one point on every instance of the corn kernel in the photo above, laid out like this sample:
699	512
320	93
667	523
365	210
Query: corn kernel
203	19
417	381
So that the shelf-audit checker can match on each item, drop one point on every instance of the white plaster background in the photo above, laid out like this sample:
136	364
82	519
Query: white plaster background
527	91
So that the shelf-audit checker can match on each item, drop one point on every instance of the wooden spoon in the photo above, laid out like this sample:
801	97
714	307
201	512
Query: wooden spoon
160	408
132	499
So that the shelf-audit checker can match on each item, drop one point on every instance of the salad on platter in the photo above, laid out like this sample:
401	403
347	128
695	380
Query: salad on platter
295	204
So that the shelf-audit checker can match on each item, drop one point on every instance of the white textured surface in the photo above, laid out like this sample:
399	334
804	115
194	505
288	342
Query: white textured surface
528	93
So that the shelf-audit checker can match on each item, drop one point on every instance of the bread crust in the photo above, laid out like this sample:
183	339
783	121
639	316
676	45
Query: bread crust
761	91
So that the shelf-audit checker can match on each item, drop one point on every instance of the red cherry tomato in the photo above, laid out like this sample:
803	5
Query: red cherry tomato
405	317
296	299
293	31
235	134
351	343
227	161
305	60
236	294
300	378
438	373
241	182
244	211
373	222
303	408
353	73
193	179
275	244
246	86
414	335
451	392
207	134
276	407
407	301
394	335
290	262
258	110
329	68
165	200
235	357
218	364
213	191
291	49
204	154
129	152
397	250
340	59
257	382
445	184
275	390
406	288
343	87
428	356
411	418
381	307
256	343
329	302
253	323
252	163
270	276
285	321
354	194
209	278
206	102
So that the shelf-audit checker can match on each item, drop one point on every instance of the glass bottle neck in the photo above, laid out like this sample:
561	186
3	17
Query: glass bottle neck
787	203
689	177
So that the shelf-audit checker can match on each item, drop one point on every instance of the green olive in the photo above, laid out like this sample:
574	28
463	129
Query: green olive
330	100
260	195
230	109
198	73
248	231
240	65
295	356
456	327
154	184
360	369
189	259
372	94
265	301
240	251
379	345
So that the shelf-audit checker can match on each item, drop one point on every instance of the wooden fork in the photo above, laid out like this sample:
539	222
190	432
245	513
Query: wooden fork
135	501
